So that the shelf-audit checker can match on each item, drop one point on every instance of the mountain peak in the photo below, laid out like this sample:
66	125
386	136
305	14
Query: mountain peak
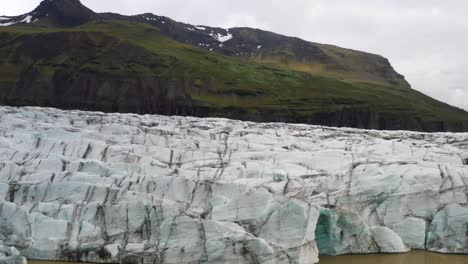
62	13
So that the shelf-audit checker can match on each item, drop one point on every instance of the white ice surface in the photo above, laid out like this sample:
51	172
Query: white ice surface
74	184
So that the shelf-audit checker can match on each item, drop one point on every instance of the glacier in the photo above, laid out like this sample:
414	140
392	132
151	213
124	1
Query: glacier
126	188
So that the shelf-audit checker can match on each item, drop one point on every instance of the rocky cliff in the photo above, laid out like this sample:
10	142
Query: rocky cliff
89	186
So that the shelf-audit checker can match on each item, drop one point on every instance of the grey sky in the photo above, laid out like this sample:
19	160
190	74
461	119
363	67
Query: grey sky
425	40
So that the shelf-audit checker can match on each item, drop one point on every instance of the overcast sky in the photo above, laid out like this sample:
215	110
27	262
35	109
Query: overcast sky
425	40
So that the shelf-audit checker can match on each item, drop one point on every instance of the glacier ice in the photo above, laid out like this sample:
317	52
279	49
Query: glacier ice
95	187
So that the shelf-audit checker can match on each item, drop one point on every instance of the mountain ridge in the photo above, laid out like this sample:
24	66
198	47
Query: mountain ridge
246	43
150	64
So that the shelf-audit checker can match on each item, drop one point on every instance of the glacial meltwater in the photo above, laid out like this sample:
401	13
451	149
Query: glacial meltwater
415	257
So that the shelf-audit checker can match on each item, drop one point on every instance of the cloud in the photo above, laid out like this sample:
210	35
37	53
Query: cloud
424	39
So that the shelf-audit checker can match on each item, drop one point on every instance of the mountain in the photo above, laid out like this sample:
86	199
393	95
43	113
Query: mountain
55	13
243	43
64	55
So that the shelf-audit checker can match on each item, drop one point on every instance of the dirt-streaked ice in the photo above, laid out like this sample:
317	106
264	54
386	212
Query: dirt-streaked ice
127	188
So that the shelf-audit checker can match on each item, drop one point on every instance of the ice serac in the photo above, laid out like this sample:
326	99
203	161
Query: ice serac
142	189
10	255
124	188
387	240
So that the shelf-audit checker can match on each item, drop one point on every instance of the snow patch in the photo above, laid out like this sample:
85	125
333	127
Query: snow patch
220	37
8	24
200	28
27	19
259	46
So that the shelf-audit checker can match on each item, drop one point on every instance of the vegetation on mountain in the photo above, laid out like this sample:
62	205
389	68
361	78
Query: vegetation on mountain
114	63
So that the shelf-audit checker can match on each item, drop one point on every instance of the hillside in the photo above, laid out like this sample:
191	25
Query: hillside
243	43
65	55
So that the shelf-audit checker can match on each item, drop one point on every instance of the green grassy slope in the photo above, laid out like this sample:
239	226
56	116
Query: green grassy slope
130	67
293	53
349	68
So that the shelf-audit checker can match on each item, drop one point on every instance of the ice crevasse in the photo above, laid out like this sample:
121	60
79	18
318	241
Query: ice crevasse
124	188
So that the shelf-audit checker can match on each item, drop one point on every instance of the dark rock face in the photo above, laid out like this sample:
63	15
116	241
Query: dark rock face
62	13
153	96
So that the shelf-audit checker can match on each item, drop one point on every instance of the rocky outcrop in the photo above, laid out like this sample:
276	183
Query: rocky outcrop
88	186
54	13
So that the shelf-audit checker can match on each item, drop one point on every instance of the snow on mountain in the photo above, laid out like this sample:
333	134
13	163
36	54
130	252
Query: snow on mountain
24	19
6	24
220	37
27	19
133	188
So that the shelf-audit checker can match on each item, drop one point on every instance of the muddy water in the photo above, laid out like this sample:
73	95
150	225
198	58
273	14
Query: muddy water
415	257
51	262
